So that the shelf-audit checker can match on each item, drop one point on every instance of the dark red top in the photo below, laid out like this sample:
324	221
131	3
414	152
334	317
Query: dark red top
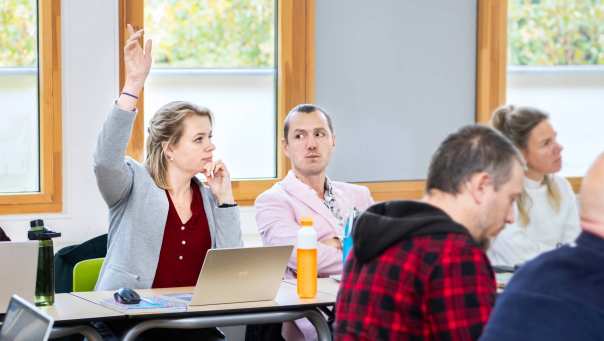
184	246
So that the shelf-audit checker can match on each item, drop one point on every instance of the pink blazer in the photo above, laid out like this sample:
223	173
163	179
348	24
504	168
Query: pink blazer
278	213
279	209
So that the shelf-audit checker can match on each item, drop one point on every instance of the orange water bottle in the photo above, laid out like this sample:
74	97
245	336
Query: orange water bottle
307	259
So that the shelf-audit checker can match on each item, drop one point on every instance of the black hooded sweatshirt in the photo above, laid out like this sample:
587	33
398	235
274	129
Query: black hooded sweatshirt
385	224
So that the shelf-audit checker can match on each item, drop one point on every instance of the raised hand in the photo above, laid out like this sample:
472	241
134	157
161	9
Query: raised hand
137	63
219	180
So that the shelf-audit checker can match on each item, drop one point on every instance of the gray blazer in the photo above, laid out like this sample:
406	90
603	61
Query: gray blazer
138	210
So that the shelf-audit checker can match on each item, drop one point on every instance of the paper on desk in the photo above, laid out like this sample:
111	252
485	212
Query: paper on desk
181	297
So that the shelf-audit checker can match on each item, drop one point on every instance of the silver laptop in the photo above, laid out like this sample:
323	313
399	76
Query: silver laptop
24	322
241	275
19	263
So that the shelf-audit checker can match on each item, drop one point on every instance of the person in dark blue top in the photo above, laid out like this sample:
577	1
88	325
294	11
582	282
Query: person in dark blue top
560	294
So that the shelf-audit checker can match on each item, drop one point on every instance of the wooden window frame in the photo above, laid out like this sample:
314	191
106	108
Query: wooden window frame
50	196
295	81
296	76
491	73
491	87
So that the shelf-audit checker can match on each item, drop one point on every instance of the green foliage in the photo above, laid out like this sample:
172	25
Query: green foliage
211	33
199	33
241	33
18	33
556	32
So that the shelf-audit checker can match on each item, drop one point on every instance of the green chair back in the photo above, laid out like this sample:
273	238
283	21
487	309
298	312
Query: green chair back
86	273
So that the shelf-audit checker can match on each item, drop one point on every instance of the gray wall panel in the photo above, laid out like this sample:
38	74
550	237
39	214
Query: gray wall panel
397	76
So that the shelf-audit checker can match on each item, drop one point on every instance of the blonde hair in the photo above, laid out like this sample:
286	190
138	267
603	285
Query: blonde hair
516	123
166	128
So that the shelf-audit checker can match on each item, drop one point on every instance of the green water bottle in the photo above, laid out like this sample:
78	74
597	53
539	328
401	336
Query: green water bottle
45	278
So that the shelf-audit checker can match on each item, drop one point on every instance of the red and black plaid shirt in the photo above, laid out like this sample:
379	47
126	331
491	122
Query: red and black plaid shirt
438	287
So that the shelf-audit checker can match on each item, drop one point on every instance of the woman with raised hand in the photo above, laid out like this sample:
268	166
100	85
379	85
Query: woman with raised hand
546	214
162	219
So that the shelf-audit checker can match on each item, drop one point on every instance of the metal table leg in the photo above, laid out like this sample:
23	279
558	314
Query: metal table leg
317	320
90	333
313	316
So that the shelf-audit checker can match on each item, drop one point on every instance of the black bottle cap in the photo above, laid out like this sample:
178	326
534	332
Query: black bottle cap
36	223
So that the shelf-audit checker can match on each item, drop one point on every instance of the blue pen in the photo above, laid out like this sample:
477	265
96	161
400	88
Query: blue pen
347	228
347	240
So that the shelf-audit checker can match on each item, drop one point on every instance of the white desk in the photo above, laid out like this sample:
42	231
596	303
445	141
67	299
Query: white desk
286	307
72	314
326	286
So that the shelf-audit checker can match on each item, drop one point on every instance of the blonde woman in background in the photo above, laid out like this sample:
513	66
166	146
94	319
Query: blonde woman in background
546	214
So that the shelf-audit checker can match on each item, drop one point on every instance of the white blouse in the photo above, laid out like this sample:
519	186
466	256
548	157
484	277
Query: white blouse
546	230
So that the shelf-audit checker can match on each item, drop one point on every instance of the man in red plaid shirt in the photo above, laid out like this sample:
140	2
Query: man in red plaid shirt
418	270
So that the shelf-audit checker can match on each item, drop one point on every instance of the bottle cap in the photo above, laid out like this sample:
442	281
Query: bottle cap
306	221
36	223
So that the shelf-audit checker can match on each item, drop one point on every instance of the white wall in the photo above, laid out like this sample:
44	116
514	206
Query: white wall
90	84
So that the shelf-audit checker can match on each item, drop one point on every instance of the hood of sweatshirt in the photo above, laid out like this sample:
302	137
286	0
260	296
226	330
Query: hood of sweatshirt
385	224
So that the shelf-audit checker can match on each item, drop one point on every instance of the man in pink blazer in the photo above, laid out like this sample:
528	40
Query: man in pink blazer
306	191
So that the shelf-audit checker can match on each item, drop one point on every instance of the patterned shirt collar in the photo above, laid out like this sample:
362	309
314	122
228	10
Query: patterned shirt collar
329	200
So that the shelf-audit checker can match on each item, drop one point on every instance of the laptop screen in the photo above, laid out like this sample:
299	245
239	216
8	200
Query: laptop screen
19	263
24	322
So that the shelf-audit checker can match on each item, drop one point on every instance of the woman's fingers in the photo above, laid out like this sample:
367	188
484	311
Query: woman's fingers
148	45
220	168
135	37
212	169
133	42
130	45
208	170
132	32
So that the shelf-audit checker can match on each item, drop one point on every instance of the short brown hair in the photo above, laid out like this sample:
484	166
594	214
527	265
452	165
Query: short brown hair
167	126
307	109
470	150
